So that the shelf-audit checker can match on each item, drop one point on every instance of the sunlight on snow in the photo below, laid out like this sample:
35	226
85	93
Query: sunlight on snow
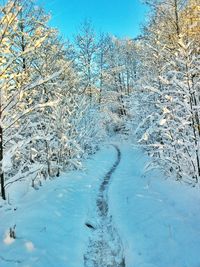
8	240
29	246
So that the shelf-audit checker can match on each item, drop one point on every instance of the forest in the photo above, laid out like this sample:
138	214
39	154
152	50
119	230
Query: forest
100	140
61	99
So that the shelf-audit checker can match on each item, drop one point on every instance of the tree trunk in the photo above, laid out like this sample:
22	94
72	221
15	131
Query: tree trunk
3	193
47	158
176	17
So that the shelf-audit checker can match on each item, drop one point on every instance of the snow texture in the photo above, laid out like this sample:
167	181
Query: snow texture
157	220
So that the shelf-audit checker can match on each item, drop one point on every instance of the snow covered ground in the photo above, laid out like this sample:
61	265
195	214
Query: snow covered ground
158	220
50	222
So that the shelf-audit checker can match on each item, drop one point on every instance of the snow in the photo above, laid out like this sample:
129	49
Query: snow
162	121
158	220
50	222
8	240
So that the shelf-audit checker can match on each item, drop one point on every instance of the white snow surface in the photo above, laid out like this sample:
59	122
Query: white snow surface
157	219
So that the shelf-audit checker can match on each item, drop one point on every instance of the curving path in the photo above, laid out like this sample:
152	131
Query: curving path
105	248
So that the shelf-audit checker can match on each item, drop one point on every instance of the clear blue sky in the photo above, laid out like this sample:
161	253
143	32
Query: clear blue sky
118	17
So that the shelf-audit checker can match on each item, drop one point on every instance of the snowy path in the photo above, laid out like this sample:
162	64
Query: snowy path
141	217
105	247
50	222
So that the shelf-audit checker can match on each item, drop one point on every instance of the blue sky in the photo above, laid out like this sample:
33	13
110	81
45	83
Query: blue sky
119	17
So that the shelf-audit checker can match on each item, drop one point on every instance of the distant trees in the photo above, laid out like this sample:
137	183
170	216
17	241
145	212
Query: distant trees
86	47
116	76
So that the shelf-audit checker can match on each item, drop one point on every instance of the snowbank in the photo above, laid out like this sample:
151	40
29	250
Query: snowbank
50	222
158	219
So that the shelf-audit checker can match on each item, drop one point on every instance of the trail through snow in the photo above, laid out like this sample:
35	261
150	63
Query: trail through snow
105	246
136	219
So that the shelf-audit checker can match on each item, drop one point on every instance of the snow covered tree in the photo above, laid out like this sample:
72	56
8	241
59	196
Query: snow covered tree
86	48
47	119
168	128
19	85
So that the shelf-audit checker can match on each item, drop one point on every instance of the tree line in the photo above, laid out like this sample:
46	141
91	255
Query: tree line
60	99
